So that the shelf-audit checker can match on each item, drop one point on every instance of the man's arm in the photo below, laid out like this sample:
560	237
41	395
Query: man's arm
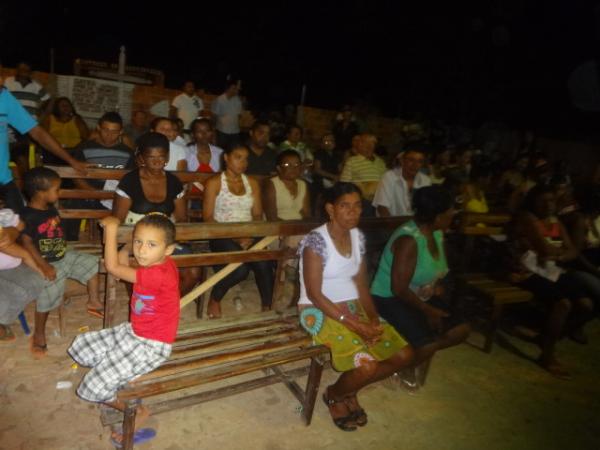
49	143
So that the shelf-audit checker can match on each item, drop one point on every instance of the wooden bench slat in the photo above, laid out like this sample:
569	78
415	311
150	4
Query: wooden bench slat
225	323
234	343
196	338
135	390
84	213
211	361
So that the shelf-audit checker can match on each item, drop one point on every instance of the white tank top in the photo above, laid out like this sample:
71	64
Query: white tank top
289	207
233	208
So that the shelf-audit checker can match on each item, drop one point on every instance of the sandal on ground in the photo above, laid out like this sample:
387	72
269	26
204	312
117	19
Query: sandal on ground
139	437
96	312
555	369
216	313
37	351
359	414
344	423
7	334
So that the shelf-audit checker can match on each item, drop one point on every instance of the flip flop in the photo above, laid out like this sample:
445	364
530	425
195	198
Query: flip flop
96	312
139	437
37	351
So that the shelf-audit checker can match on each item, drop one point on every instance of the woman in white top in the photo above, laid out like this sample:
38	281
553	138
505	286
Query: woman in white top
286	196
336	308
231	196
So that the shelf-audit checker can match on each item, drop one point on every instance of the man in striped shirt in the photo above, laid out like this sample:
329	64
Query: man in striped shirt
30	95
29	92
365	169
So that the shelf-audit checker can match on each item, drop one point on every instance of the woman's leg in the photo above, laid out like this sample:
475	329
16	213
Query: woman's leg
220	289
263	274
370	372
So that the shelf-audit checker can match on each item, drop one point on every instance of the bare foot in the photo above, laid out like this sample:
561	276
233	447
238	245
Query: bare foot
213	309
38	347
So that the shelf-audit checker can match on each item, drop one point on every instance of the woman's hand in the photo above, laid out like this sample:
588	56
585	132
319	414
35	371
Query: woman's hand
368	331
435	317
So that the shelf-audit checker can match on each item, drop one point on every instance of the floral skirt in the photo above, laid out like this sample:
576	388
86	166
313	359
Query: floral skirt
348	349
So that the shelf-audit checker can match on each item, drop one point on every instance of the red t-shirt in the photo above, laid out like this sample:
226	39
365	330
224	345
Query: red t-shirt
155	302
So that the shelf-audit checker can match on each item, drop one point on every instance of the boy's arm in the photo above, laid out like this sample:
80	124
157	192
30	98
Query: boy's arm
111	256
48	270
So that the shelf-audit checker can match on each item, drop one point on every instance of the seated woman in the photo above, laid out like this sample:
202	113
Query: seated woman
66	126
538	242
407	286
151	189
336	308
201	155
473	191
234	197
286	196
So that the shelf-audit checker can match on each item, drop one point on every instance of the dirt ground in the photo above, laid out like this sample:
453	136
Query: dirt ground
471	401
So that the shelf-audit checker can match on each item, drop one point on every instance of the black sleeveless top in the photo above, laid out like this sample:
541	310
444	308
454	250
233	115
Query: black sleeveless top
131	186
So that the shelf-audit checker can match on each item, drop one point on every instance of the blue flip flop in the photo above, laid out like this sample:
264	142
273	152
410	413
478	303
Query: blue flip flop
139	437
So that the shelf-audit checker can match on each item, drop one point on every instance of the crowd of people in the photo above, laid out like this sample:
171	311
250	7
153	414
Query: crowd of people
374	330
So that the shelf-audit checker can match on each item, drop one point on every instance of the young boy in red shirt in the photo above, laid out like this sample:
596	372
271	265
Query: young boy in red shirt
120	354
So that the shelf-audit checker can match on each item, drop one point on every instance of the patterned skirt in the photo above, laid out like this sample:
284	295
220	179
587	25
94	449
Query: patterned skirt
348	349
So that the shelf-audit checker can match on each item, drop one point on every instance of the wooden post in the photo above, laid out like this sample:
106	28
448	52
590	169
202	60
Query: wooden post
312	388
129	425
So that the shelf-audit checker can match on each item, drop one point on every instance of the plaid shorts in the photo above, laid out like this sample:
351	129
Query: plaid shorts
75	265
116	356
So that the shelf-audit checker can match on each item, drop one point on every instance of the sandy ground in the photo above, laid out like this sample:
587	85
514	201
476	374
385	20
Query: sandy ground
471	401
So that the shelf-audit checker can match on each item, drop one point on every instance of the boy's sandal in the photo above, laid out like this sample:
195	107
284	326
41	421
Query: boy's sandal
139	437
345	423
7	334
96	312
37	351
359	414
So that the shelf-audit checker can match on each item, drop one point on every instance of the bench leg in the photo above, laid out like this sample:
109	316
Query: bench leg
200	300
110	300
312	389
129	425
493	327
278	283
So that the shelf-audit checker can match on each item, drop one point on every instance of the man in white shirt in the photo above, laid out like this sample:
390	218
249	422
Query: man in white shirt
227	108
394	192
187	105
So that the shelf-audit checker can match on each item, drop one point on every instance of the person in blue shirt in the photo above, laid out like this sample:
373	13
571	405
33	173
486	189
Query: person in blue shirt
13	114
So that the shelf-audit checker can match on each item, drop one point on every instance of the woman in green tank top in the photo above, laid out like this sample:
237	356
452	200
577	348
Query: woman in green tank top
406	287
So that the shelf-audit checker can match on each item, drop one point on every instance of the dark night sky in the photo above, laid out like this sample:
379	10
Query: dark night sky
494	59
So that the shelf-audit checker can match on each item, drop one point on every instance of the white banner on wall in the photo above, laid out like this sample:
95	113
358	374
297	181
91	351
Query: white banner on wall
93	97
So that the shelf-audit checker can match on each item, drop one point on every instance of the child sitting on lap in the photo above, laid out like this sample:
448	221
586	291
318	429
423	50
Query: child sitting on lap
120	354
44	238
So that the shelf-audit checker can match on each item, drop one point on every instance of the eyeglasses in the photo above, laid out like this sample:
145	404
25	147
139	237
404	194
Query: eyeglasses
290	165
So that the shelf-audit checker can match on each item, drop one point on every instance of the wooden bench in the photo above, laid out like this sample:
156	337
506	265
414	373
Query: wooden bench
261	345
489	286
